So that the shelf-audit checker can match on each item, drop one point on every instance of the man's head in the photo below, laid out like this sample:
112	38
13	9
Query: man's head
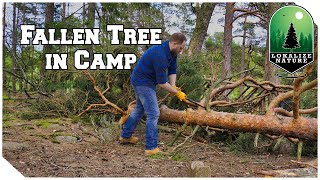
177	42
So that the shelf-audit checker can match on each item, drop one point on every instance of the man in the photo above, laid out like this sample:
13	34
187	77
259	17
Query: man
157	65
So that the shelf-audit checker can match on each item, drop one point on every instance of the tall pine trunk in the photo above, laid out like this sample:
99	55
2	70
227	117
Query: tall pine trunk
243	52
84	14
14	47
269	67
63	11
48	23
91	22
203	14
19	19
3	46
227	41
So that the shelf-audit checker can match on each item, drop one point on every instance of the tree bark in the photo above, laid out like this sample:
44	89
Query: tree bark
305	128
203	14
3	45
91	13
227	40
14	46
21	15
63	11
84	14
91	22
243	52
269	67
47	47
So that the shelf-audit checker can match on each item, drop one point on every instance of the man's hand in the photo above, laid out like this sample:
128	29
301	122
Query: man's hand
180	95
177	88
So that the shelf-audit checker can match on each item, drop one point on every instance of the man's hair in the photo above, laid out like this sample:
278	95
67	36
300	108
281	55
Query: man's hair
178	37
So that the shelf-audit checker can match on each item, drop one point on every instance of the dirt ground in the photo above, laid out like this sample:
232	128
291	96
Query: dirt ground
88	157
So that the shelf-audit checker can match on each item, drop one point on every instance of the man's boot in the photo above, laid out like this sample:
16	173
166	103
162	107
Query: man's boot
153	151
132	140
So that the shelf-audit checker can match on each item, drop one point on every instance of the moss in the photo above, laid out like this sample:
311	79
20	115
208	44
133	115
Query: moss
55	141
6	124
9	116
5	97
40	135
27	127
157	156
179	157
59	133
45	123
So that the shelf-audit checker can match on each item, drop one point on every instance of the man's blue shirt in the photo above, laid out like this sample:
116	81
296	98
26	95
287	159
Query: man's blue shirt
154	67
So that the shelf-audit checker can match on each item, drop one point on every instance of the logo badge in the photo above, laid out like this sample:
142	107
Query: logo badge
291	38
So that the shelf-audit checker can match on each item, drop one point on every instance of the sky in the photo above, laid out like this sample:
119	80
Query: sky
214	26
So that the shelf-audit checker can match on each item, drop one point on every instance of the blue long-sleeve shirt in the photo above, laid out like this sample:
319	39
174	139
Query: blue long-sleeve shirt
154	67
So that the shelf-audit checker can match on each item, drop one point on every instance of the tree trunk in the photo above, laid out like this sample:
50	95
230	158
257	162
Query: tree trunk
3	46
200	31
63	48
269	67
63	11
227	41
22	20
14	46
305	128
243	52
48	21
84	14
91	15
91	22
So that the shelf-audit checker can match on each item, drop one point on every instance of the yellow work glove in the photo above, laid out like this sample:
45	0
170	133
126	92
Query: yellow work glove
177	88
180	95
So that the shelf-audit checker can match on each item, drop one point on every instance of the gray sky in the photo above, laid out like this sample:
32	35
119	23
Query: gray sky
214	26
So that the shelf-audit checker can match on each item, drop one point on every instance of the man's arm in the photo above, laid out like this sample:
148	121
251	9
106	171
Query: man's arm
172	79
168	87
179	94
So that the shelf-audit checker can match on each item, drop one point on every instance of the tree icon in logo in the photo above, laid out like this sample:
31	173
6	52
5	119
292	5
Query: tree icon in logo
291	41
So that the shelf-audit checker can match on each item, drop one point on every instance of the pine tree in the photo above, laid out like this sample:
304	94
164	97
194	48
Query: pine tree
291	41
302	42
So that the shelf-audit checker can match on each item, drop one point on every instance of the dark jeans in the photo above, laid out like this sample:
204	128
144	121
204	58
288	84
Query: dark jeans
146	102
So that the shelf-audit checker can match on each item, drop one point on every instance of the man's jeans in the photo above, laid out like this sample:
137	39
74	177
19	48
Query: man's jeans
146	101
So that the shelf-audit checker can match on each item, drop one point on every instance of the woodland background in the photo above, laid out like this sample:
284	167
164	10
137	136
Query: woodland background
32	92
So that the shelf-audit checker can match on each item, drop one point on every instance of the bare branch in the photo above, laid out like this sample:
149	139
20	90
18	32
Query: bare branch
107	102
301	111
274	103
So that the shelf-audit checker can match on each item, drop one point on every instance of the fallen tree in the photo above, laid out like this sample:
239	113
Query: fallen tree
304	128
271	123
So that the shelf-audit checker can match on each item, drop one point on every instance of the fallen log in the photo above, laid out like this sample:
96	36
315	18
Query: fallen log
303	128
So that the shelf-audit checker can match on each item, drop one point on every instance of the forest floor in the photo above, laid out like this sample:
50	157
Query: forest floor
32	150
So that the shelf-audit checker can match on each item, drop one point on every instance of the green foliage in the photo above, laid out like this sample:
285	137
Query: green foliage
190	78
